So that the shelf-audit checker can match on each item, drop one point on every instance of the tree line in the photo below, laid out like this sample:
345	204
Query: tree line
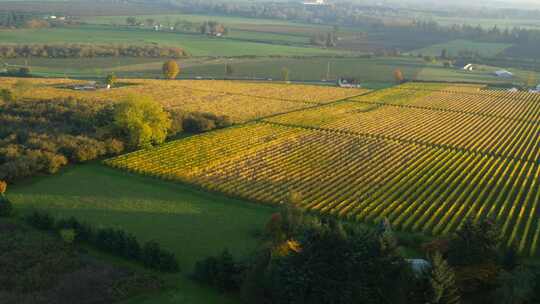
88	51
12	19
113	241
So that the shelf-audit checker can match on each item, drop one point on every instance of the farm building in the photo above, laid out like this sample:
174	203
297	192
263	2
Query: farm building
463	65
503	74
344	82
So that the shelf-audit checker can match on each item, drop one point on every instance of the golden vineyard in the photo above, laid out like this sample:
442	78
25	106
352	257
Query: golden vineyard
424	156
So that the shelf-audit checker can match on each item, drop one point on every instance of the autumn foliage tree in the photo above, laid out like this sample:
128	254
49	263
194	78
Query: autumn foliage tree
142	121
5	205
171	69
3	187
398	76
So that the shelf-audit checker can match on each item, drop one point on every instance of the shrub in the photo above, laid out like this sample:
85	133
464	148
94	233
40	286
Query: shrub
153	256
221	272
41	220
6	208
6	95
202	122
68	235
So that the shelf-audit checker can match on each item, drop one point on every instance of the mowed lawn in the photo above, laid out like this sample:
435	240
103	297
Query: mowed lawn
189	222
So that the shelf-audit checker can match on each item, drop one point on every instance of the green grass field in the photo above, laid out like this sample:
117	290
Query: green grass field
191	223
455	46
368	70
194	44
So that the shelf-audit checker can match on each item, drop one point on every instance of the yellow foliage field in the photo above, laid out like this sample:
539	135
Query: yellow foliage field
242	101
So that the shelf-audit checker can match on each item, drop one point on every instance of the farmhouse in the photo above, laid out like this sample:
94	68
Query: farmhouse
503	74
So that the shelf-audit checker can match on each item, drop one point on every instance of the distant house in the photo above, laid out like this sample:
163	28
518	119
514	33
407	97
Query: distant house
463	65
315	2
468	67
503	74
513	90
344	82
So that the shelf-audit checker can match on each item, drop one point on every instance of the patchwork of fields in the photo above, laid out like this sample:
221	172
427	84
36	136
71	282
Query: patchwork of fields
425	156
242	101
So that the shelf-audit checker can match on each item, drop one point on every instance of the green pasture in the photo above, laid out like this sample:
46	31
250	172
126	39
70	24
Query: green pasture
191	223
194	44
367	70
455	46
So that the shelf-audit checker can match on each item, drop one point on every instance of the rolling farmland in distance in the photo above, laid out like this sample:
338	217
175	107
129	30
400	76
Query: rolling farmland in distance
425	156
242	101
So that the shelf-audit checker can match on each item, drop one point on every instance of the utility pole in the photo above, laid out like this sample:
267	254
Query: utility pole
328	71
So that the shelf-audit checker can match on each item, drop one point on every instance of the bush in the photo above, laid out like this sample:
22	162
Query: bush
6	208
6	95
68	235
153	256
41	220
202	122
221	272
83	232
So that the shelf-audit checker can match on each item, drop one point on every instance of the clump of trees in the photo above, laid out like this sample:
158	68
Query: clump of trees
213	28
40	267
12	19
41	137
308	259
324	39
88	51
113	241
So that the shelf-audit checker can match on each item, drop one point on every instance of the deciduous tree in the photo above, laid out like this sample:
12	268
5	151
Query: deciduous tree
285	72
142	121
398	76
171	69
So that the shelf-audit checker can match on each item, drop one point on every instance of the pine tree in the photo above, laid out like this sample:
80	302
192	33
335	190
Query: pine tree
443	282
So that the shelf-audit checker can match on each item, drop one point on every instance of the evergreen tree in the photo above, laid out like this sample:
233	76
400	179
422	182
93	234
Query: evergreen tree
443	282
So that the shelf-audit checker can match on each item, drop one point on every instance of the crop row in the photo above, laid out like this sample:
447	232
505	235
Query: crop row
487	105
180	158
416	187
504	137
